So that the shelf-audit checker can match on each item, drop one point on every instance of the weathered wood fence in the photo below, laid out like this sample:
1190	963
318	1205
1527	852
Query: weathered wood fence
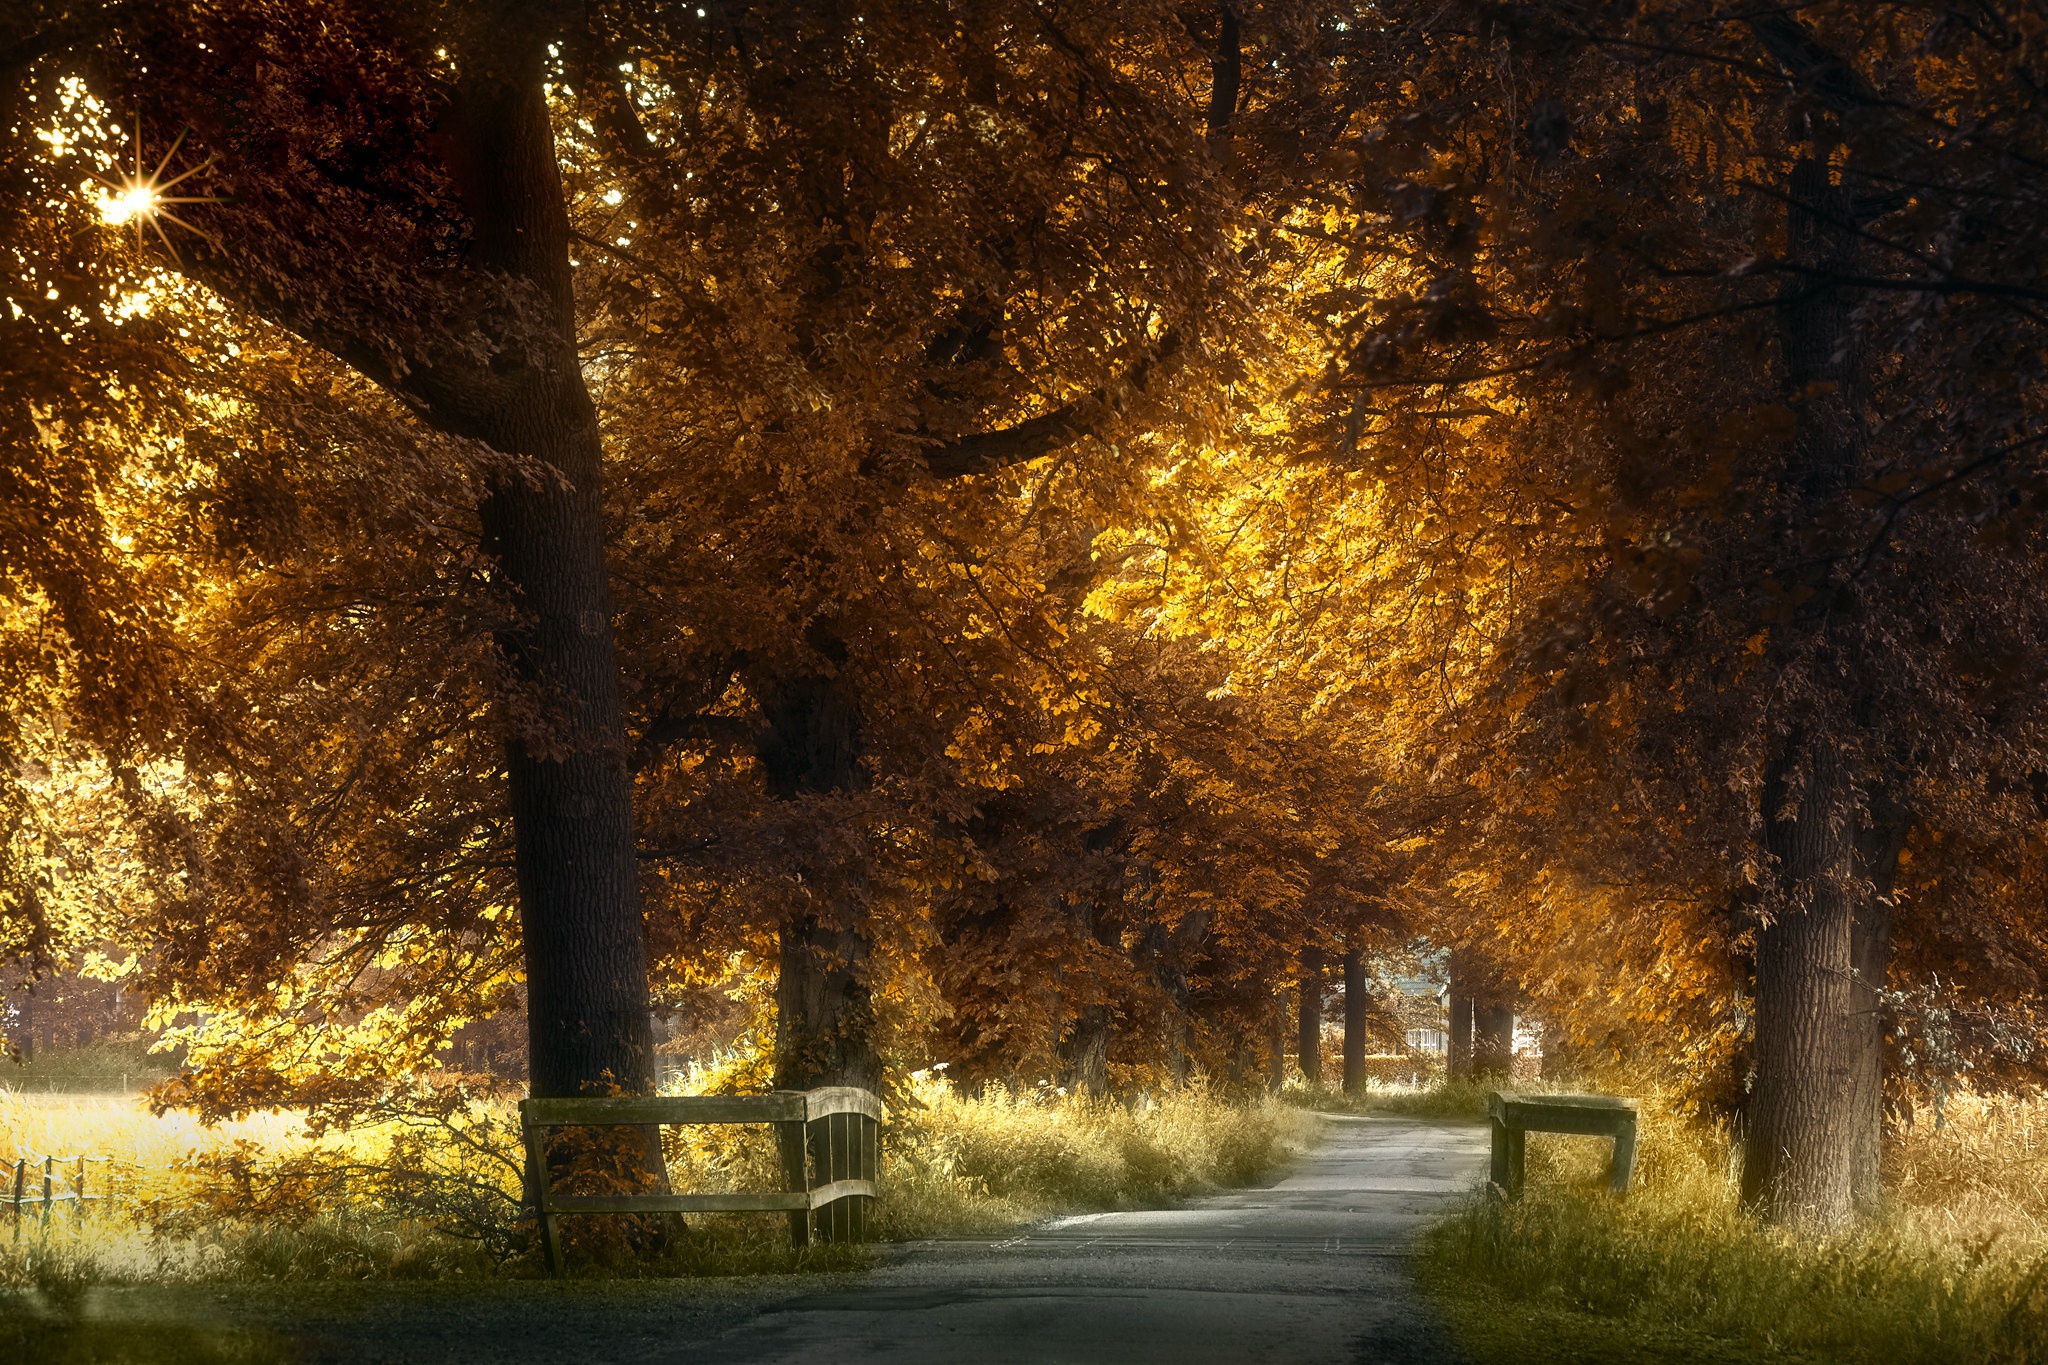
25	1190
829	1141
1514	1117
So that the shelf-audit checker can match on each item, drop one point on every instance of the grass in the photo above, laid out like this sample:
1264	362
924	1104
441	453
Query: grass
437	1197
265	1206
964	1166
1443	1099
1955	1271
115	1065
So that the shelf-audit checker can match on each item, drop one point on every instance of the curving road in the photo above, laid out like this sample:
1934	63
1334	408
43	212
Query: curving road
1310	1270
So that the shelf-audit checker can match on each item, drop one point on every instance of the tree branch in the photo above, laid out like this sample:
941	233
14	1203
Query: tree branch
1226	73
1036	437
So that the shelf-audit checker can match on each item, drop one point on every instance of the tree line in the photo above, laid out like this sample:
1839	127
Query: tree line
1016	530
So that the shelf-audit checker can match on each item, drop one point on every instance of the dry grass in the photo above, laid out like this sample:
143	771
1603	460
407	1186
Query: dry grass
1955	1271
262	1201
968	1165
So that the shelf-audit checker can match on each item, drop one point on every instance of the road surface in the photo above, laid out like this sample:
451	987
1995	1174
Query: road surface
1312	1269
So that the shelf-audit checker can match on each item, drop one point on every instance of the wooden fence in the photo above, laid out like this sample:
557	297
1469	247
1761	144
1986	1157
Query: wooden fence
829	1140
24	1192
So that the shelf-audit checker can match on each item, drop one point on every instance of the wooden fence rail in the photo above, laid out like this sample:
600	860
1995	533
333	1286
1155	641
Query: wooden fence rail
1513	1117
20	1195
829	1140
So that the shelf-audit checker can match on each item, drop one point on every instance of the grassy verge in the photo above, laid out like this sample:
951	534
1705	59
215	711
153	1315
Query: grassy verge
438	1199
1956	1271
1444	1099
961	1165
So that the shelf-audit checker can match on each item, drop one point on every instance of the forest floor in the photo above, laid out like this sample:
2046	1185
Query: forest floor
1312	1267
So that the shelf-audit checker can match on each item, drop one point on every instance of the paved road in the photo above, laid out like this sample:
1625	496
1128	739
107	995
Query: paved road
1310	1270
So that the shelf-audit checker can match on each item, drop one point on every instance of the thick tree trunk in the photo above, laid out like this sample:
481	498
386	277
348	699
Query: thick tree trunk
824	1005
1493	1037
571	797
1796	1164
824	1012
1087	1050
1355	1040
1458	1050
1163	949
1308	1038
1276	1045
1878	843
1816	1102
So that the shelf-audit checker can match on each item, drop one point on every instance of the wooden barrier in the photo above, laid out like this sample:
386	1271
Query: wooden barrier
829	1140
1515	1116
55	1169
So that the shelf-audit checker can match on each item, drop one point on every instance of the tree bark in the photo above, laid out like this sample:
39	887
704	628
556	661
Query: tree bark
1796	1163
1088	1053
1878	842
1493	1037
824	1011
1308	1041
1276	1045
1458	1050
824	1005
1816	1101
570	794
1355	1039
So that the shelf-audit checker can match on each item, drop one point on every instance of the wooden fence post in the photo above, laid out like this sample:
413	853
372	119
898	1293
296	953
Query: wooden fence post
796	1177
20	1188
49	1190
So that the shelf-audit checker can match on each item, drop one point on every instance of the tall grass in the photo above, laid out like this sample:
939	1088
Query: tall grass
966	1165
263	1200
1956	1270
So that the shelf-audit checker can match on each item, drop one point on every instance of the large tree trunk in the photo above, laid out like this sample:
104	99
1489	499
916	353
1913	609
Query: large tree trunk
1276	1044
824	1011
1087	1049
1815	1106
1355	1040
1164	950
1796	1165
824	1005
1878	842
1458	1050
571	797
1308	1038
1493	1036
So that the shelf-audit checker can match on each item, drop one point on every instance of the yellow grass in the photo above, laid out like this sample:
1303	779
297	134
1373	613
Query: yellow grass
1955	1270
260	1199
122	1127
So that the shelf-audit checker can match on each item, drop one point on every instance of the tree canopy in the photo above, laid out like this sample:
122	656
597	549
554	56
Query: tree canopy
1003	532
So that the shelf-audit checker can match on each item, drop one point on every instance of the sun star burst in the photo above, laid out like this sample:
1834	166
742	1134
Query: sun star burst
142	197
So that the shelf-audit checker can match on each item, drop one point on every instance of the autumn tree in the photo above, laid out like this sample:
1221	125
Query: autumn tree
826	283
1683	324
